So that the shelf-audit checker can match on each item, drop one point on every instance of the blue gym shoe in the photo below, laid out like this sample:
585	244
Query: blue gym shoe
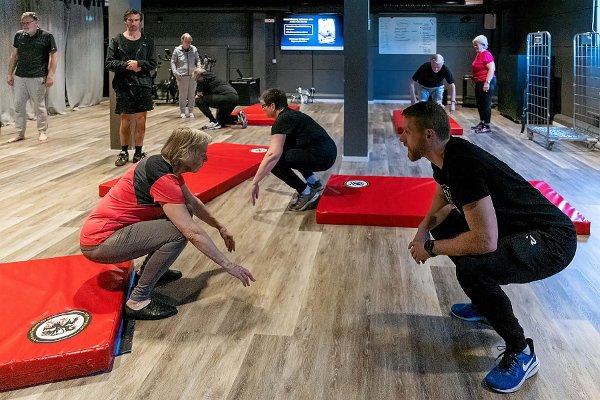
508	376
466	312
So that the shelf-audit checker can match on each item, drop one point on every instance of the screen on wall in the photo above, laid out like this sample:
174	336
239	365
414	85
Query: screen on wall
312	32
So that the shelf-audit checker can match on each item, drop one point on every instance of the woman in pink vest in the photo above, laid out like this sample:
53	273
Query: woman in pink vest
485	83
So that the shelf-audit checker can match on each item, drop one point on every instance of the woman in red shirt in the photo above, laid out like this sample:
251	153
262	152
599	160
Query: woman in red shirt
149	213
485	82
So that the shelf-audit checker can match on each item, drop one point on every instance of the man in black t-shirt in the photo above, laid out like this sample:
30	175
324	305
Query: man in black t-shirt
31	69
494	226
297	142
430	78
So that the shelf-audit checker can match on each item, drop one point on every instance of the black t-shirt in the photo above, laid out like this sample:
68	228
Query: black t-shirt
301	130
426	77
470	173
34	53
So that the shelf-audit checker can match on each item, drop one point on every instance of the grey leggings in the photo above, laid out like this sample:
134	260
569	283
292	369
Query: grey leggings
159	239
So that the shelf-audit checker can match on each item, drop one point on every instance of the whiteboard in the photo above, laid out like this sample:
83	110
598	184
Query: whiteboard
407	35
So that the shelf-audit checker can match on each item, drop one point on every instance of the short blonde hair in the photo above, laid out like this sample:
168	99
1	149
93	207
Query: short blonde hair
186	36
482	40
184	143
197	72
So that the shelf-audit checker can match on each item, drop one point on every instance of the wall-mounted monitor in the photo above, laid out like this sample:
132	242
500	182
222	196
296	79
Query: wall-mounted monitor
312	32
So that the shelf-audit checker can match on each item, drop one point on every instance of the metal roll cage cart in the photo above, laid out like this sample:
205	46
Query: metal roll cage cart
537	114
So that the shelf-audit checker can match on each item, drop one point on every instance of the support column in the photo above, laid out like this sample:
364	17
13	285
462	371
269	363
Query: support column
116	25
356	80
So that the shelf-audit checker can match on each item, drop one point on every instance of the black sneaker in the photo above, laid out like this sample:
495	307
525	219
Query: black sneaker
484	129
153	311
242	119
137	157
316	186
169	276
122	159
304	201
478	126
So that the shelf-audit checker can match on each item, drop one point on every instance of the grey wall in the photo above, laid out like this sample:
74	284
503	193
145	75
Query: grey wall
563	19
243	40
392	72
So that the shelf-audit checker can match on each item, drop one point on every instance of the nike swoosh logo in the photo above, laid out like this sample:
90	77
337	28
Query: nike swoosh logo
526	366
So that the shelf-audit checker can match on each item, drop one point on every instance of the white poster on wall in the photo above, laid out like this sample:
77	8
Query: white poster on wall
407	35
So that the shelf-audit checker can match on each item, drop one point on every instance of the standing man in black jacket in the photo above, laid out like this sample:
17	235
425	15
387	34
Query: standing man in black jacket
131	57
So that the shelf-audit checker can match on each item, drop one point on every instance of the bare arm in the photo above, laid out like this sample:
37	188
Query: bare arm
12	64
481	238
53	62
181	218
433	217
268	163
412	92
200	210
491	69
452	97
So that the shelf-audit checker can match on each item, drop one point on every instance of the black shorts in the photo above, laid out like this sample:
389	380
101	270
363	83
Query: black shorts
134	100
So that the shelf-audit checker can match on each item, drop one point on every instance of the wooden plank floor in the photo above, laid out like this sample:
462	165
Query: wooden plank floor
337	312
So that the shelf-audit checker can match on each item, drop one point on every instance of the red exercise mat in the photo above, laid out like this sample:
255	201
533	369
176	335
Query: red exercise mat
582	224
401	201
256	115
375	200
60	318
228	165
398	119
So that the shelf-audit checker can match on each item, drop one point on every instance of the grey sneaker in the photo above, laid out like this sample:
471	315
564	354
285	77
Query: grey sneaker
304	201
122	158
316	186
212	125
242	119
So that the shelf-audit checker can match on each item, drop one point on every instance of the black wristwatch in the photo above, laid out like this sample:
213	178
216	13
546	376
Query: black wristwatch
429	247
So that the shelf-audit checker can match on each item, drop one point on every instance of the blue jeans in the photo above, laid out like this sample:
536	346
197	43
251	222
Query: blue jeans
436	93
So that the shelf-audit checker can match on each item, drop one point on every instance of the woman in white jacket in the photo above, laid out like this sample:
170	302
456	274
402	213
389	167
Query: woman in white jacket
183	61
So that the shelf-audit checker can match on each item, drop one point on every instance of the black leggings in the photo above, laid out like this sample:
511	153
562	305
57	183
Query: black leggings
519	258
224	103
306	161
484	100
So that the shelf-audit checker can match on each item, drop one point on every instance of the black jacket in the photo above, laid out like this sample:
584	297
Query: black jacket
116	61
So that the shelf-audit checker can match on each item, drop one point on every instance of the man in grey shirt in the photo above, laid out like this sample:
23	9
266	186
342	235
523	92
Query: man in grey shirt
184	60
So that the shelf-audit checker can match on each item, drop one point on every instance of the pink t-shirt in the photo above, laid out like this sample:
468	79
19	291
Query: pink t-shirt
479	70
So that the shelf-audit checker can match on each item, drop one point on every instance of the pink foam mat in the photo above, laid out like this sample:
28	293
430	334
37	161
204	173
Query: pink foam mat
401	201
61	318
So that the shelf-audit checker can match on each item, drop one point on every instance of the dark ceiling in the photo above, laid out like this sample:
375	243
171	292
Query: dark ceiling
376	6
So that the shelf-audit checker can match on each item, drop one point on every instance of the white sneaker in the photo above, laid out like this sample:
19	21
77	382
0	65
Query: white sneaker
42	137
242	119
213	126
182	115
210	125
191	115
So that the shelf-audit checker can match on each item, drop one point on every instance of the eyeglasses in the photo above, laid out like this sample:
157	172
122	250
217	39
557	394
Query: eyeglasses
25	23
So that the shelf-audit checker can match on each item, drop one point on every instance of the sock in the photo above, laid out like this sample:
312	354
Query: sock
138	149
125	148
312	179
306	190
137	305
